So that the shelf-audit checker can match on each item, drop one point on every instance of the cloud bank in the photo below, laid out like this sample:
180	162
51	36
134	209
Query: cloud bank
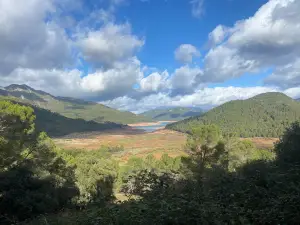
93	57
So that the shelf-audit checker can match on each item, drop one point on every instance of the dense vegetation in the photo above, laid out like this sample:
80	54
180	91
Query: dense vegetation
70	107
265	115
222	181
33	178
172	114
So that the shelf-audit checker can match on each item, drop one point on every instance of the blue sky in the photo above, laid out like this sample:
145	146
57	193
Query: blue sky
141	54
168	24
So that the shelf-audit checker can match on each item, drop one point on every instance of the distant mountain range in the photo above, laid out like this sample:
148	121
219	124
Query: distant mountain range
265	115
69	107
172	114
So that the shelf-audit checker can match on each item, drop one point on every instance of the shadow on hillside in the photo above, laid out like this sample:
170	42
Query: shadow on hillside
56	125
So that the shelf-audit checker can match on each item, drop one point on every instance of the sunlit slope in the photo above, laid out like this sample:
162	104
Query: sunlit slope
70	107
265	115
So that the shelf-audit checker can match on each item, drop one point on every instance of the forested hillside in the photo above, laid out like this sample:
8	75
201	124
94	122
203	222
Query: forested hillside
172	114
70	107
265	115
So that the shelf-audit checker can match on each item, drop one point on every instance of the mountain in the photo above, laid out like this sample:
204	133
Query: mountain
70	107
172	114
56	125
265	115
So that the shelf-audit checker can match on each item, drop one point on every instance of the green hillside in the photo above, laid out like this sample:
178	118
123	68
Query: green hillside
172	114
56	125
265	115
70	107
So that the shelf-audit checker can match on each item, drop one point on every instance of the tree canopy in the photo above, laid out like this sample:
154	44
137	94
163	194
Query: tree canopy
33	178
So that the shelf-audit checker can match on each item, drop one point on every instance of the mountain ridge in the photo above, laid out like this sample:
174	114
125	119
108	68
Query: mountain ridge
56	125
264	115
70	107
172	113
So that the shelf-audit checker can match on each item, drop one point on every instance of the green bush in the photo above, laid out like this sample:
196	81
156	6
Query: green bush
33	178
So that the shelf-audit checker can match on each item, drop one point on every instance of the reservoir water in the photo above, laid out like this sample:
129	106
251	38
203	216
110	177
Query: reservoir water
151	128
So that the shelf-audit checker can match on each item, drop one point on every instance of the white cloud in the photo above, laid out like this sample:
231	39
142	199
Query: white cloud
27	41
155	82
185	79
205	97
56	82
293	92
115	82
186	52
268	39
103	84
110	44
197	8
271	36
218	35
35	50
286	76
222	63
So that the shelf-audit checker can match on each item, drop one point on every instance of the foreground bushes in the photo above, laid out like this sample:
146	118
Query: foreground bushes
33	178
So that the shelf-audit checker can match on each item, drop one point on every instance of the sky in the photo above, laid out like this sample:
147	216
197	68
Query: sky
138	55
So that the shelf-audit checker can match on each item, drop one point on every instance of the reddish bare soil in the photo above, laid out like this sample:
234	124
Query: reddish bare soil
140	144
137	144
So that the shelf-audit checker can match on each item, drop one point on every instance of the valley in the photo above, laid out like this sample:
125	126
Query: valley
136	143
150	127
110	166
123	112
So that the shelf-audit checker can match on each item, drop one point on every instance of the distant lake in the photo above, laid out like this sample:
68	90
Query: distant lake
151	128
